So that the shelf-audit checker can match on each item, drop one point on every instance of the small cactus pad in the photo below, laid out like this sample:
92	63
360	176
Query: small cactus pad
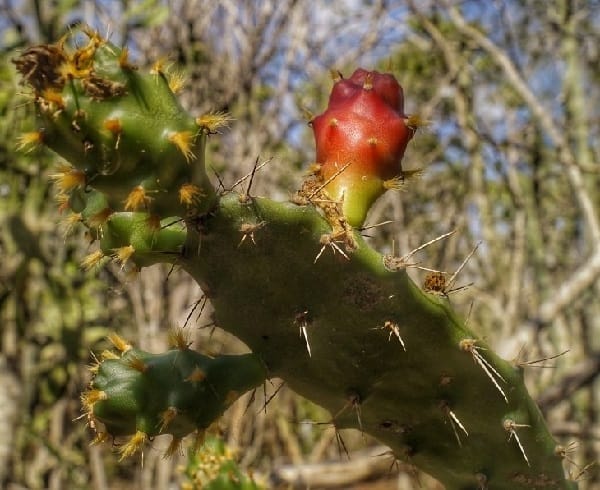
213	467
124	131
143	395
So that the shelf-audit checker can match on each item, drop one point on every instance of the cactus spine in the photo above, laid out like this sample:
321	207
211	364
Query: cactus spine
382	355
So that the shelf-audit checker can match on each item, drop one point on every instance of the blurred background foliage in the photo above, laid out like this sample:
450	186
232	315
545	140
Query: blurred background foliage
511	90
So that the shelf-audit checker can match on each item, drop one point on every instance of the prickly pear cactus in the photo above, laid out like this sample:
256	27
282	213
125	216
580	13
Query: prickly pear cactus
343	325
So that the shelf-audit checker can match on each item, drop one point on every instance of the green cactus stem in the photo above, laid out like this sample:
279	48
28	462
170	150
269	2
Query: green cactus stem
359	338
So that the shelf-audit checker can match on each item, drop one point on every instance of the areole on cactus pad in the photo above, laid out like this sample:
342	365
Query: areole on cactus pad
360	141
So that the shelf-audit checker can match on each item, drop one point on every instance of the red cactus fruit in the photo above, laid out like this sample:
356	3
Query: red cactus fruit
361	139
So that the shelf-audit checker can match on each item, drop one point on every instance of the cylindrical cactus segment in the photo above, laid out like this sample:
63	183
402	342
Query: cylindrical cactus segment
124	131
176	392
